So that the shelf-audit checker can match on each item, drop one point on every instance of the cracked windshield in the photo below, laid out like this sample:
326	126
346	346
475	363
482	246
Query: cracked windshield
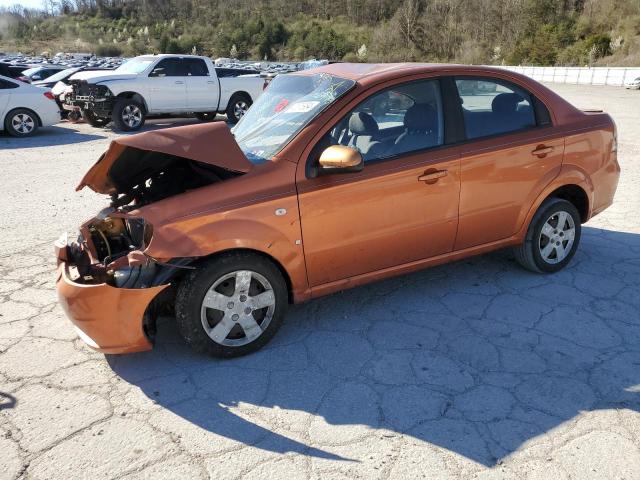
288	105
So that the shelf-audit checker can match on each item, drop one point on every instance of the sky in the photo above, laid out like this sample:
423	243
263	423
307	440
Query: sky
24	3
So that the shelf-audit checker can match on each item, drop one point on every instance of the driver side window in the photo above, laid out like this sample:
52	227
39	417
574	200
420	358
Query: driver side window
169	67
399	120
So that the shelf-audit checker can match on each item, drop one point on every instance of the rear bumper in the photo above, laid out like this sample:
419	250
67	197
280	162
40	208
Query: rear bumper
107	318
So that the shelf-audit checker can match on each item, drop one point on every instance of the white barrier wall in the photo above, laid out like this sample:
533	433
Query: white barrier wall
580	75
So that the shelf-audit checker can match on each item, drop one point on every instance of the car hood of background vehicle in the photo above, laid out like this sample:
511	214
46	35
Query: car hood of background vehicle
95	77
209	143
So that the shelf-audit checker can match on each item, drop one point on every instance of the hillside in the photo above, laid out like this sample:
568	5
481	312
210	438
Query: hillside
541	32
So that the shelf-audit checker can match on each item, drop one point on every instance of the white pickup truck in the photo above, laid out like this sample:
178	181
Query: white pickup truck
157	85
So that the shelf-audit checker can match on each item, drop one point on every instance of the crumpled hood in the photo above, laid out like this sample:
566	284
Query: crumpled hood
209	143
98	76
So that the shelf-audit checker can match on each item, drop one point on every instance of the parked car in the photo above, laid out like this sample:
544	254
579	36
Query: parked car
39	73
633	84
58	86
160	84
11	71
24	108
327	184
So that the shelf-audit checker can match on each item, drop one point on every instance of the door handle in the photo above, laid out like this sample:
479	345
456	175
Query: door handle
542	151
211	82
433	176
179	82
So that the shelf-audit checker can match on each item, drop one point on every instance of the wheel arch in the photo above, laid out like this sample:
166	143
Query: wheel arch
576	195
572	183
271	258
35	114
240	92
135	96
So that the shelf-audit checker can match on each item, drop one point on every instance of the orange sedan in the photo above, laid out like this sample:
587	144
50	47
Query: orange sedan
335	177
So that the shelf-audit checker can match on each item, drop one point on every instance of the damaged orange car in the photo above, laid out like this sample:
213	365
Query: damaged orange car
334	178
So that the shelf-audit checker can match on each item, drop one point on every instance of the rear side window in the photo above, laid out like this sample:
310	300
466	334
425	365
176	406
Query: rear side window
196	67
5	84
493	107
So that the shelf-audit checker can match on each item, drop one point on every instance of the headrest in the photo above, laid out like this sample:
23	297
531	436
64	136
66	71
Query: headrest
421	118
362	123
505	102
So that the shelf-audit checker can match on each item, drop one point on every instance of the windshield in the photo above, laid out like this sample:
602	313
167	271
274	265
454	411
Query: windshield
135	65
286	107
30	71
61	75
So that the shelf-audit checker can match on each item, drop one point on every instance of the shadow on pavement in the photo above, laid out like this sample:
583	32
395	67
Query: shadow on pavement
47	137
477	357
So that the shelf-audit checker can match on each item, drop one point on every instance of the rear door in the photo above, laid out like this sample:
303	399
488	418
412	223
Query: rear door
512	152
202	86
167	86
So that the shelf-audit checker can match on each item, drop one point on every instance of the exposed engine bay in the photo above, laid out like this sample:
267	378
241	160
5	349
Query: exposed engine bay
141	177
139	170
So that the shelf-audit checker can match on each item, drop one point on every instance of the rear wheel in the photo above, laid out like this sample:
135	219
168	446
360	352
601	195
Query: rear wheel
239	103
232	305
128	115
552	238
94	120
21	122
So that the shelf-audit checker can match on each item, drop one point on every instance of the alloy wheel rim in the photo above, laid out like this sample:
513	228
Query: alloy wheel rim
240	108
23	123
557	237
132	116
238	308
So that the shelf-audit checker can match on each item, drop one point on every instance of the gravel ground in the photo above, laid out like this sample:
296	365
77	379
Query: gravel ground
476	369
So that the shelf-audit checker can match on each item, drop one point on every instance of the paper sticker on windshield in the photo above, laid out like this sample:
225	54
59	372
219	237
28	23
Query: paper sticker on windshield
302	107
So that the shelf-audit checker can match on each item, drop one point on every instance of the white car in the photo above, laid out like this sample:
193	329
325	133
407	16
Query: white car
159	85
633	84
24	108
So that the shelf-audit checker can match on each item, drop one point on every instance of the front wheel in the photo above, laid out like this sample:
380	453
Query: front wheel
552	238
128	115
232	305
239	103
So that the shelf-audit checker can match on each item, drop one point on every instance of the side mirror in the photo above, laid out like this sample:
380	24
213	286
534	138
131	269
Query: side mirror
157	72
341	159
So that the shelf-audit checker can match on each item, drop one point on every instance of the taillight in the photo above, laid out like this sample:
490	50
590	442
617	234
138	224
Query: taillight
49	95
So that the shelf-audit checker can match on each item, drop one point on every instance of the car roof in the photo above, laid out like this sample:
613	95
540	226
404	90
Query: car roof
375	72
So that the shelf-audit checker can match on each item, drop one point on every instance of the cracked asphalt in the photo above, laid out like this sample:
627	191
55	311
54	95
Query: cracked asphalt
476	369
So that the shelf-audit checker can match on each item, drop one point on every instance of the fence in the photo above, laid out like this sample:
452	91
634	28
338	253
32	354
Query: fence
580	75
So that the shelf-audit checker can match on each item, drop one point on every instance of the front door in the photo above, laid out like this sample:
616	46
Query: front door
402	207
167	86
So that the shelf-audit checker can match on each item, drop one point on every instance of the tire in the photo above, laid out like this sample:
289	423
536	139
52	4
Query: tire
206	116
538	253
228	316
94	120
128	115
21	122
239	103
